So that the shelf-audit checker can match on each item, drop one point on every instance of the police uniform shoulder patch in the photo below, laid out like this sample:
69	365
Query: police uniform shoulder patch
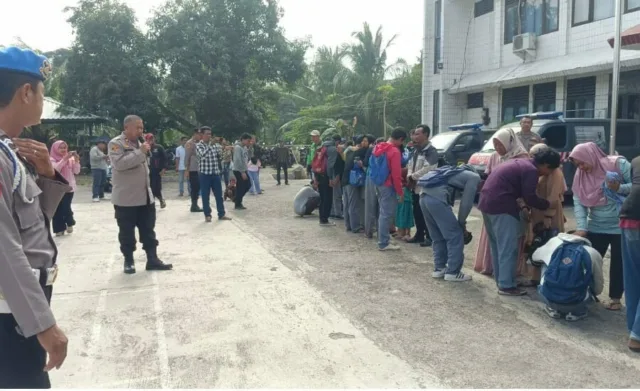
115	147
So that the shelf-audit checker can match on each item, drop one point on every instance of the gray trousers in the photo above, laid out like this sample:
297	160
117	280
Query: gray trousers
336	209
353	207
371	209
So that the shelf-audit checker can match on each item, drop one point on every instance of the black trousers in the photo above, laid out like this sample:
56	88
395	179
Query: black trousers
421	226
601	242
155	180
326	197
63	218
22	360
242	187
285	167
194	181
131	217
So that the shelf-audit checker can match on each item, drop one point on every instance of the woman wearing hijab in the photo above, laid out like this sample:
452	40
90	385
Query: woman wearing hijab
507	146
68	165
551	188
597	210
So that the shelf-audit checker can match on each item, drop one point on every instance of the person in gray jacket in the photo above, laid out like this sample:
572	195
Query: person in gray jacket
437	197
98	160
240	162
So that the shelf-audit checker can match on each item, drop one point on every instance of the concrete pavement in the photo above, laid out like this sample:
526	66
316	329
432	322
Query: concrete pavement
270	300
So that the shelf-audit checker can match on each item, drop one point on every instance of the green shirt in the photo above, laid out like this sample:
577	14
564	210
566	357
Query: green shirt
312	153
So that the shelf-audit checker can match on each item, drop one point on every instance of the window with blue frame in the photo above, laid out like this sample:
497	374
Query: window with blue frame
530	16
631	5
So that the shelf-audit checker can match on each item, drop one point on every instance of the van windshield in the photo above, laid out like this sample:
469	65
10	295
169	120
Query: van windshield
488	146
443	141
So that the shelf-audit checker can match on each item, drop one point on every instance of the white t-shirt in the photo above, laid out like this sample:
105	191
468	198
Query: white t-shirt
181	155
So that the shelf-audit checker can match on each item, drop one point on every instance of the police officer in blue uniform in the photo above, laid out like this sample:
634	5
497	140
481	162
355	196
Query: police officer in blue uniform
30	190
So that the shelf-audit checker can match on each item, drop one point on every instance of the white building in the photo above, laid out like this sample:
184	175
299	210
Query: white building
561	60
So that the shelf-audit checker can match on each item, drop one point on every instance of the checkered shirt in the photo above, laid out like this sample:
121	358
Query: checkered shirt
209	158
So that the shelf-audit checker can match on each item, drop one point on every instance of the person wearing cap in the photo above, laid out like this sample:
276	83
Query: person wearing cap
98	160
315	144
30	191
132	197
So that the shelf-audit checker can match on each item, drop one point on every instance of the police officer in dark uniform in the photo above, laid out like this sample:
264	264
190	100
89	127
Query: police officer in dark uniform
131	195
30	190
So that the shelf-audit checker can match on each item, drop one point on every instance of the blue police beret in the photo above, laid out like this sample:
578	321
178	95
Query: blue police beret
25	61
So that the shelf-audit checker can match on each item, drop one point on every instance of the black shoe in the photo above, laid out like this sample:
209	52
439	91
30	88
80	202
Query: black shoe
154	263
427	243
129	268
241	207
286	183
416	240
195	209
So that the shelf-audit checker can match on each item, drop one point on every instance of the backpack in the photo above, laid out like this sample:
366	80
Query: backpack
357	177
378	169
567	279
319	163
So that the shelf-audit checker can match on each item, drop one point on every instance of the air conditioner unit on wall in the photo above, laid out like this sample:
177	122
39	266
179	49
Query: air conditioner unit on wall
524	44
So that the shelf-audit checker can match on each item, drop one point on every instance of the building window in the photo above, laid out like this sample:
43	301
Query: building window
515	101
530	16
587	11
544	97
483	7
436	112
475	101
437	41
581	97
631	5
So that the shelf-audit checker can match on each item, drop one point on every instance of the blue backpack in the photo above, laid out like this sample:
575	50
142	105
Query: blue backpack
378	169
357	177
567	279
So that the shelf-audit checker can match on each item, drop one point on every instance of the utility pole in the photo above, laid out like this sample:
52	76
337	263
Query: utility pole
617	44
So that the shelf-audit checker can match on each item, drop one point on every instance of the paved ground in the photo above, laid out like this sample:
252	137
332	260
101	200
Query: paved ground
270	300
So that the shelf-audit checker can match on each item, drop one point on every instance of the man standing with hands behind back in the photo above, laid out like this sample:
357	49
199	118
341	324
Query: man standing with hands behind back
132	197
30	190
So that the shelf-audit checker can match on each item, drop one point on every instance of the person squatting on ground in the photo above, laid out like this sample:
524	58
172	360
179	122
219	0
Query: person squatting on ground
132	197
30	191
386	173
571	276
512	180
630	225
193	167
98	159
240	161
437	197
306	201
157	167
68	165
424	159
210	170
596	207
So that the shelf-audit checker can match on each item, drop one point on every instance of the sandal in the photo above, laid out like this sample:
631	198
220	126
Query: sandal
613	305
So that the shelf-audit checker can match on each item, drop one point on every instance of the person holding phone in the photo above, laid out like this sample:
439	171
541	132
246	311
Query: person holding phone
68	165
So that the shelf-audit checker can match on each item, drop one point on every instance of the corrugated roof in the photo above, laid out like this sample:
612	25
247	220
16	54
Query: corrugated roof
54	111
571	65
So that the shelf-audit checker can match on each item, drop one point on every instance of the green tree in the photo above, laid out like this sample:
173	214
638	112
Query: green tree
221	57
403	107
109	69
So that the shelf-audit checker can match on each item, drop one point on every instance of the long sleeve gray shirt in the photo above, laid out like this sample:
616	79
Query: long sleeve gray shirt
465	181
240	158
97	159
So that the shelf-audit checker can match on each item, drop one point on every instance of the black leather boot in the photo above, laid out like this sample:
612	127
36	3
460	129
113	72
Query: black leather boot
195	208
154	263
129	267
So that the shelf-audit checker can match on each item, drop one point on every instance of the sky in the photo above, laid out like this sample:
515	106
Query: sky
42	24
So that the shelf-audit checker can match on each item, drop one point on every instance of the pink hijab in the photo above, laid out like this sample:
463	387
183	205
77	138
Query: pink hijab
67	169
588	186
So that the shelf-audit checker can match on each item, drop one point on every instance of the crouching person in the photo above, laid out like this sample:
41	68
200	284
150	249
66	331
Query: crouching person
571	276
448	232
307	200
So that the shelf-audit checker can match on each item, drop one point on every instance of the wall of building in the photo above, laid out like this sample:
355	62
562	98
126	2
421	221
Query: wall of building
473	45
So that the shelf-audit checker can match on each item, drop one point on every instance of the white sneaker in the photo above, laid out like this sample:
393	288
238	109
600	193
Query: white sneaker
438	274
390	247
460	277
96	200
69	230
